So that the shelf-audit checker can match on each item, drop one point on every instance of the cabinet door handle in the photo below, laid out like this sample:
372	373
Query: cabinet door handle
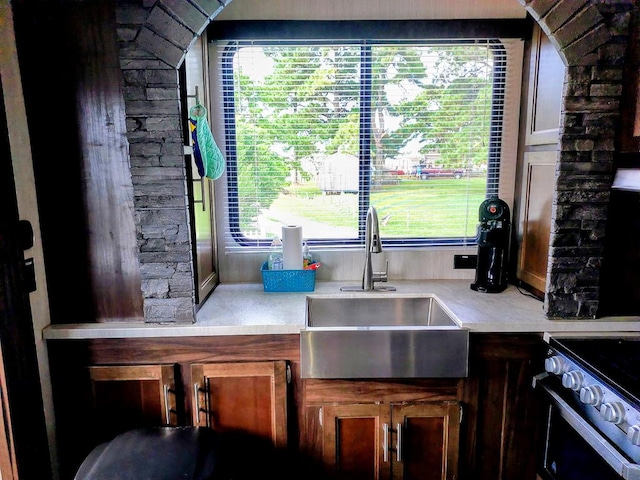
399	442
167	407
196	396
385	442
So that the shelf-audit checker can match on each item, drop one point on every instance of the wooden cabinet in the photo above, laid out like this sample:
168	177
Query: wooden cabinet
538	155
132	396
536	199
427	441
103	387
392	441
248	397
544	92
482	427
334	424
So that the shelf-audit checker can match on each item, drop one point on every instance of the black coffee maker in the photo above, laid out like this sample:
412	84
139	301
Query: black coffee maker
494	231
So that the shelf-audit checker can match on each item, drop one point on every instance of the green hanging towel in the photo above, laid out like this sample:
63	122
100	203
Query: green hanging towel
212	160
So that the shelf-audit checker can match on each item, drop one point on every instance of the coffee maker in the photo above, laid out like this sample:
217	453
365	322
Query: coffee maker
494	231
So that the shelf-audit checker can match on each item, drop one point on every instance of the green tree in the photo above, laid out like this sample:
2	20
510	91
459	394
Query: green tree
446	105
261	173
306	104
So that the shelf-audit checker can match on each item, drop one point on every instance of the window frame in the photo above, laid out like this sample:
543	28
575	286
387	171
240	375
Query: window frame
297	33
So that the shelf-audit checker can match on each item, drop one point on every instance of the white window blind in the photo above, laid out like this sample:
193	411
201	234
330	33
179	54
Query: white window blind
315	132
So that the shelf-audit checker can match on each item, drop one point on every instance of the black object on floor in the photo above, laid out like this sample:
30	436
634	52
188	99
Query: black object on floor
164	453
195	453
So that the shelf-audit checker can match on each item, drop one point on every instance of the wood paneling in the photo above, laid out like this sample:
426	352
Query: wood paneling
113	261
352	391
75	109
501	409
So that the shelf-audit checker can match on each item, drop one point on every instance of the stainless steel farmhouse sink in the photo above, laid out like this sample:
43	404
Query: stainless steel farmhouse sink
381	335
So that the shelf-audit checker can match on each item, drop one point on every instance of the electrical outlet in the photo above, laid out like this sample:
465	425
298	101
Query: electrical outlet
465	261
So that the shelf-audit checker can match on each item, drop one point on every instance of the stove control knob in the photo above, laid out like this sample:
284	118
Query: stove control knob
555	365
633	434
573	380
591	395
613	412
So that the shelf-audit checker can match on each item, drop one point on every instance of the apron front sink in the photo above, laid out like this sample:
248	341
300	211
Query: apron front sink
374	335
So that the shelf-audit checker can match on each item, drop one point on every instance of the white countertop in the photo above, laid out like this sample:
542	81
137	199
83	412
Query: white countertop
245	309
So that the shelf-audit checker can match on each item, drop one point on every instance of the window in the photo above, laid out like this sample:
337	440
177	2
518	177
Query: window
318	130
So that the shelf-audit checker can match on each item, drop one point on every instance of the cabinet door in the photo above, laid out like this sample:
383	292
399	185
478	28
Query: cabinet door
546	81
382	441
245	397
426	441
128	397
356	440
537	197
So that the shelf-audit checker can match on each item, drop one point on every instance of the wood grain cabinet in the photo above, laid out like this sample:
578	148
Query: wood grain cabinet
392	441
246	397
538	154
539	172
132	396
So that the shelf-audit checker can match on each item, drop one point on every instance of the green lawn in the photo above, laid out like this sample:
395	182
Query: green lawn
438	207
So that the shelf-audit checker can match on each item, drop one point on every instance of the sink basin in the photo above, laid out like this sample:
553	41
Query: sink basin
381	335
376	310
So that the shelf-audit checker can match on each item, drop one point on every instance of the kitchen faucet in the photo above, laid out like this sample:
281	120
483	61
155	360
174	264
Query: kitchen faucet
372	244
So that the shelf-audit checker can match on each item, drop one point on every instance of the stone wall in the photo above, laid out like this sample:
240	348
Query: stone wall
591	36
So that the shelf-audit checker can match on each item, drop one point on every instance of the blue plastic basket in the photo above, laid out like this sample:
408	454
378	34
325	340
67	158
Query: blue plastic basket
288	280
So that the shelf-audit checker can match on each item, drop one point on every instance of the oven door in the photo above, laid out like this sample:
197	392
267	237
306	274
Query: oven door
575	450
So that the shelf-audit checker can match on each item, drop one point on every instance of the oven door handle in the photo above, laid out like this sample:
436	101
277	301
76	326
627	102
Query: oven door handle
622	466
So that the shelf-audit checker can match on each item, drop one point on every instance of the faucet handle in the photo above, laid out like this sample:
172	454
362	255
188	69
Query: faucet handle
382	276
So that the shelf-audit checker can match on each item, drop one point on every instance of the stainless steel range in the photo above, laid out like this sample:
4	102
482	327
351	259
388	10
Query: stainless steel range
592	393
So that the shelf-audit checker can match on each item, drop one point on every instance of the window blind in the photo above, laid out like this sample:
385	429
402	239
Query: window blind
317	131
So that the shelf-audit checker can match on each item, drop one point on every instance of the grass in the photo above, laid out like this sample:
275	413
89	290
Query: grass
438	207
